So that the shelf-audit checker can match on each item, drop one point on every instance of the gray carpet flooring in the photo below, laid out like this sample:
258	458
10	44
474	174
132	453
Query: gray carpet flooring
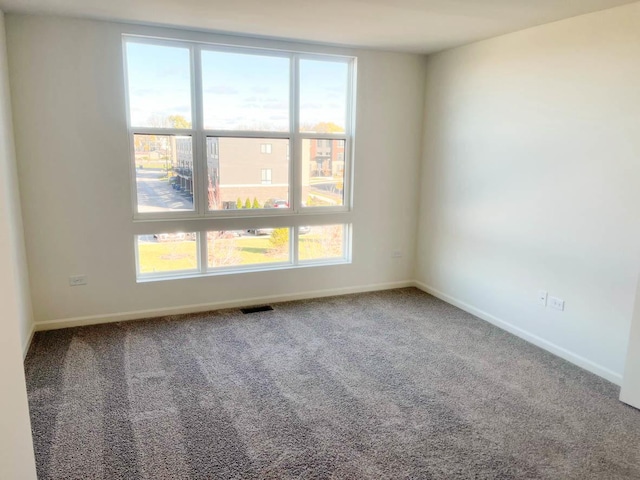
387	385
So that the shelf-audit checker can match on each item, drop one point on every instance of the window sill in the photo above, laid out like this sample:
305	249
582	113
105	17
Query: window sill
149	278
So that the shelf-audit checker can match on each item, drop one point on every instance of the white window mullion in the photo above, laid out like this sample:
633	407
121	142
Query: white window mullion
204	251
294	245
136	246
181	132
349	153
201	238
133	175
323	136
200	150
200	156
295	146
196	85
246	134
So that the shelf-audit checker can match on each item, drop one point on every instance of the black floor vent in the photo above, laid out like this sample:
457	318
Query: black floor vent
261	308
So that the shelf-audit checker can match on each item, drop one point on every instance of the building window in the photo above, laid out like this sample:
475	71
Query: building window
266	176
265	148
205	122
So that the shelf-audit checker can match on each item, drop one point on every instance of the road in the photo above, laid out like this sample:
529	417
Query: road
156	195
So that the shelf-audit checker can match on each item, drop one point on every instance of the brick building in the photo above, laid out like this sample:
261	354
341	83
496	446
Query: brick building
253	168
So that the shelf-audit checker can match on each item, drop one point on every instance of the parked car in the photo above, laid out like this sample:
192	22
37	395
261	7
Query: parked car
224	234
276	203
268	231
174	237
260	231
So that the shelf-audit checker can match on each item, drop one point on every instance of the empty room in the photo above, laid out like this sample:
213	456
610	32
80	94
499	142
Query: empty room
320	240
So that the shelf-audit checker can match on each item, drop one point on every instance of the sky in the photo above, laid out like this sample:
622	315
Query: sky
240	91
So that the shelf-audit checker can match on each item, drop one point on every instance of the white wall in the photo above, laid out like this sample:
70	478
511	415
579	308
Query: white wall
16	260
73	156
530	181
630	391
16	450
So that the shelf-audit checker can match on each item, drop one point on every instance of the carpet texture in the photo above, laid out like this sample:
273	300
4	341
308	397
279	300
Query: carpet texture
386	385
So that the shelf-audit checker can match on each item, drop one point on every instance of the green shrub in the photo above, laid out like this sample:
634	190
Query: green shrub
279	237
239	203
256	204
247	204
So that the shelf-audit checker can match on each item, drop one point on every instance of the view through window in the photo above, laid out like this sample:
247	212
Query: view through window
225	132
177	253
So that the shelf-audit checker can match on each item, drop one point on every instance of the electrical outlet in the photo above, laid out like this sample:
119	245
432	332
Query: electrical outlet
396	254
76	280
542	298
556	303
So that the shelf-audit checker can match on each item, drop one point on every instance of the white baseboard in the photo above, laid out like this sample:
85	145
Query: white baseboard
578	360
27	343
203	307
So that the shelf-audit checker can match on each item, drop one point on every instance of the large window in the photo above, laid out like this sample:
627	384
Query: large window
224	133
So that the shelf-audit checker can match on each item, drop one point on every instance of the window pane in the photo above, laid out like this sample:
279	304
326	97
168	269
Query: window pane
164	171
159	86
239	249
322	172
321	242
245	92
247	173
167	253
323	96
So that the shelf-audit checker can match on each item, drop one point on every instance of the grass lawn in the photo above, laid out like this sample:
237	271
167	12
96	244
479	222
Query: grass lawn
167	256
225	252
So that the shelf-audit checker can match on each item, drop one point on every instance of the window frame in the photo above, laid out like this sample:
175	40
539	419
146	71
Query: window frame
266	176
199	134
204	270
200	220
192	272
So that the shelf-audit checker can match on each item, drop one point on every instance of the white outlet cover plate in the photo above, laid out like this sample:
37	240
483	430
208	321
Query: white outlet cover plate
542	298
556	303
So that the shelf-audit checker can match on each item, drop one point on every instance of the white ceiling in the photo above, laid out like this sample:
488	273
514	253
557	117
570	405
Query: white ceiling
411	25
